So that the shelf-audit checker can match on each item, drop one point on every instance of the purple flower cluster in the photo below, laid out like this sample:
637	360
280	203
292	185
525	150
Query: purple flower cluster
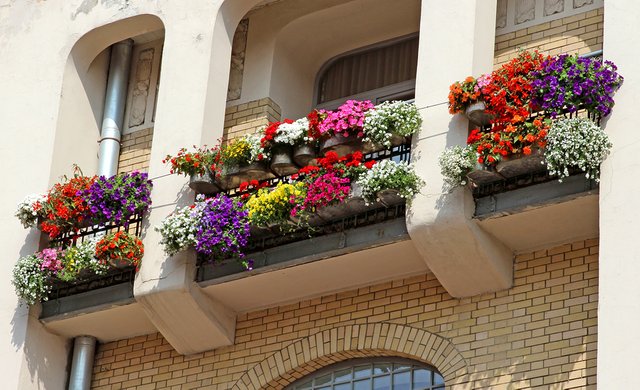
117	198
348	117
223	228
569	83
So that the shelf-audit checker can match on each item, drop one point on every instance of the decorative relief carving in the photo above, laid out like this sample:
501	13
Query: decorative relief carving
553	7
525	11
140	90
513	15
237	60
581	3
501	14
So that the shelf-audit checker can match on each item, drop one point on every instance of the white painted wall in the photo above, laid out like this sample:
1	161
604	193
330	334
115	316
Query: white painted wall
619	286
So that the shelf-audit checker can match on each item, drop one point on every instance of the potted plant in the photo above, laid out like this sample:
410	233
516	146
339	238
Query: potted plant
576	143
390	182
244	159
281	138
116	199
304	153
120	250
30	210
269	207
216	227
456	163
342	128
390	123
467	97
569	83
201	165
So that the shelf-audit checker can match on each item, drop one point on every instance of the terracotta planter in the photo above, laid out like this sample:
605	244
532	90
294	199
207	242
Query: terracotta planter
234	175
204	184
477	114
520	164
304	154
281	161
483	175
341	145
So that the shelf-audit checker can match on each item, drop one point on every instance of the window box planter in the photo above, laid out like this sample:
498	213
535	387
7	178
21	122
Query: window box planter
519	164
234	175
341	145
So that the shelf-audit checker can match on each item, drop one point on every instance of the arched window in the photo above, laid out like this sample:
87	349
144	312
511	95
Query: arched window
373	374
385	71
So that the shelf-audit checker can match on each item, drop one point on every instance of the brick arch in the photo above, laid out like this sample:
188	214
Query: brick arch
353	341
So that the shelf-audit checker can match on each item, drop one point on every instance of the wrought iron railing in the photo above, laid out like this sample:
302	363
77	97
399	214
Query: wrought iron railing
92	282
282	235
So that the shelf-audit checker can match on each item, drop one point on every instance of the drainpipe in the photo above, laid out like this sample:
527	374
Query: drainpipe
114	104
84	348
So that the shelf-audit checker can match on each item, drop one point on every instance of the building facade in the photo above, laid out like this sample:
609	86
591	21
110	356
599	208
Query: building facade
538	294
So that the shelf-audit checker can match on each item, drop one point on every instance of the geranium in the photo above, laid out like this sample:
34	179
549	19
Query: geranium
570	82
30	281
274	205
455	163
347	120
390	175
117	198
315	117
30	209
119	248
576	143
65	207
196	162
388	119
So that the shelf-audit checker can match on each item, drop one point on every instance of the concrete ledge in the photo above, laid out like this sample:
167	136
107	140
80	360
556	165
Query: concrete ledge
90	301
510	202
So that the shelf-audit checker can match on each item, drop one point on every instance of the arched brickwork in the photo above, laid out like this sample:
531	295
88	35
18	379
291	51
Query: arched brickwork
334	345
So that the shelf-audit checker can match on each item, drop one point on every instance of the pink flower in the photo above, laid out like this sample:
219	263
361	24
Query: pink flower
348	117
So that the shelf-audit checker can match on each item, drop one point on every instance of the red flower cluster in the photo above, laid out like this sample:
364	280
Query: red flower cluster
65	207
249	187
270	133
315	117
120	249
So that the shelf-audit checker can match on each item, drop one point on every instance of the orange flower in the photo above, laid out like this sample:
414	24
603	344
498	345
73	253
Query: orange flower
526	150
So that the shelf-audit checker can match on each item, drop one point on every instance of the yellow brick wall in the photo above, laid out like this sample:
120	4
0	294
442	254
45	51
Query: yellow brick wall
249	117
540	333
135	151
580	34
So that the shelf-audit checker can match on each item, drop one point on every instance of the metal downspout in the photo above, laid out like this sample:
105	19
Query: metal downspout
113	117
84	348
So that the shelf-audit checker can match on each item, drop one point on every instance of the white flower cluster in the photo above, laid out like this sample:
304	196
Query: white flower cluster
29	281
292	133
390	175
179	229
255	147
390	118
26	212
455	163
578	143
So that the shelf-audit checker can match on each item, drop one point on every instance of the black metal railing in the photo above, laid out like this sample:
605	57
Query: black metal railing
536	176
290	233
91	281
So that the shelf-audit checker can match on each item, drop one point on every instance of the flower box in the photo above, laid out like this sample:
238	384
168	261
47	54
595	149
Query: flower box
304	154
520	164
281	160
477	114
341	145
204	183
234	175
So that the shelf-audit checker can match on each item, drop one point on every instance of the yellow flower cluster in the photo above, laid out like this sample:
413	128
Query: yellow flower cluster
274	205
237	150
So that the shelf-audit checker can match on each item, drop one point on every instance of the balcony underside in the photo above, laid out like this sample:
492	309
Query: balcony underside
540	215
317	266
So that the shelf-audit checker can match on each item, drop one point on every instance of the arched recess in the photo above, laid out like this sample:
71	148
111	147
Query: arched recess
83	91
353	341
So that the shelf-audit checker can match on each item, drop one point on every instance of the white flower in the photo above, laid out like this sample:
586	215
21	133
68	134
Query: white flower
390	118
179	229
390	175
30	281
26	211
455	163
292	133
255	147
576	143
